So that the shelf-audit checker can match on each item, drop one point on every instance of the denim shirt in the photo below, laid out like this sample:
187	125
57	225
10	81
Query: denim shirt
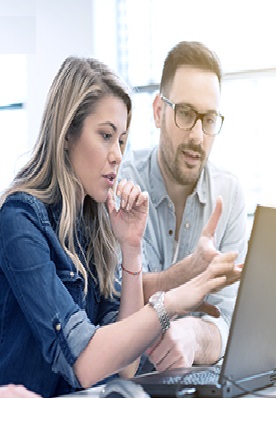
158	245
46	320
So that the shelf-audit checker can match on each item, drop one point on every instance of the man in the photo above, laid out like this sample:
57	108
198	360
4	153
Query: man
186	191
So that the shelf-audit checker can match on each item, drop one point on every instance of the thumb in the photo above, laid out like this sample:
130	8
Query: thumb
210	227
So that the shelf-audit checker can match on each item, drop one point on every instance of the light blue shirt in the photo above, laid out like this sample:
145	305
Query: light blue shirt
158	246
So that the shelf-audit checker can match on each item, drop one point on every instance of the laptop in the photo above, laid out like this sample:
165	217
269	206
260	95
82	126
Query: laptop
249	363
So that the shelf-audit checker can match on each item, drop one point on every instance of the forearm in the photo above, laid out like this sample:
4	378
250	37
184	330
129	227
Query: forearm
116	346
172	277
132	297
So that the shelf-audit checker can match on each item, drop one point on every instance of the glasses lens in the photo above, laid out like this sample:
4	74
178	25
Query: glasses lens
184	116
212	123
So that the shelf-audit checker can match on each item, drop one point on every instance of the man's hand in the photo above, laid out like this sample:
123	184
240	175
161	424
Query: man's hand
205	250
189	340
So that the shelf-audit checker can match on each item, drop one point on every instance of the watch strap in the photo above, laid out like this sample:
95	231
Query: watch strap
157	302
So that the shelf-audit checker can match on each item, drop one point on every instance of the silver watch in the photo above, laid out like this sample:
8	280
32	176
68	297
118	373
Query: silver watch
157	302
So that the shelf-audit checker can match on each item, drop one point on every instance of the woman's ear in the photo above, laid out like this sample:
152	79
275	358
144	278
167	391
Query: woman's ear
66	145
157	110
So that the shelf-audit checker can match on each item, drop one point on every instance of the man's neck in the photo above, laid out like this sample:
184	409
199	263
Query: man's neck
178	194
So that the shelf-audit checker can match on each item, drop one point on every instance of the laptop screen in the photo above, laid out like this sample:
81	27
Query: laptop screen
251	348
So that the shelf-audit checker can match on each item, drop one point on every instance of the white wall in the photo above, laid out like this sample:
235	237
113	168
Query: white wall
48	31
63	28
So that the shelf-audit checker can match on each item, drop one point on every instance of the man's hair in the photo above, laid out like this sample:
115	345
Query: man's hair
189	53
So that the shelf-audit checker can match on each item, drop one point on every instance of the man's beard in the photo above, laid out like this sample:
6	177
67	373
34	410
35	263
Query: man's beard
174	162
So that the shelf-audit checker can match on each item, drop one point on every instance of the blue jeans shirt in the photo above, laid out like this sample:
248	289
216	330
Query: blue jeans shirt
46	320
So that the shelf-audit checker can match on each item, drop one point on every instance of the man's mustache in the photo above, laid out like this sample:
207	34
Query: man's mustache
192	147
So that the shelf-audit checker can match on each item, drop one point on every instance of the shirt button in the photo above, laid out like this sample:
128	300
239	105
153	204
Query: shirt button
170	232
58	326
187	225
72	274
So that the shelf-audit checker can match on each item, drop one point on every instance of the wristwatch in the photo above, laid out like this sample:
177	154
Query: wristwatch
157	302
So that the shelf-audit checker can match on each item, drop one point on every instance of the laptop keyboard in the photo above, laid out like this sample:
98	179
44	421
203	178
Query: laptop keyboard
201	377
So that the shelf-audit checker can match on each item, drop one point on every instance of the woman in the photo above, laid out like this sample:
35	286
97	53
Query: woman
68	320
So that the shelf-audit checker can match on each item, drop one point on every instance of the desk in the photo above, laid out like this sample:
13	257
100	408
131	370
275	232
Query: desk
88	393
116	388
269	392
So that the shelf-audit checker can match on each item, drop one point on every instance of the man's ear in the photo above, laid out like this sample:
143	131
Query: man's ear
157	110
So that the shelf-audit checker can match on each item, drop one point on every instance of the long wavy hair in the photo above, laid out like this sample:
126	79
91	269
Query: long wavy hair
78	87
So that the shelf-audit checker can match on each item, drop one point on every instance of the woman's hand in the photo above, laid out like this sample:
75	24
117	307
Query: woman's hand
16	391
129	221
190	296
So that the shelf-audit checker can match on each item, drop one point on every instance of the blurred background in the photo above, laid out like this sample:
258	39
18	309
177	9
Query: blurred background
133	37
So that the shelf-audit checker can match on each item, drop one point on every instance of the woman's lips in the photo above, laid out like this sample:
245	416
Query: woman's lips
110	178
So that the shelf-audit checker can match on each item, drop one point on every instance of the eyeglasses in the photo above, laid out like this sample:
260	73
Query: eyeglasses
186	117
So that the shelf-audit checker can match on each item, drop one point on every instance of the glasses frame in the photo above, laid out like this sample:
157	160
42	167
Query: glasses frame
198	116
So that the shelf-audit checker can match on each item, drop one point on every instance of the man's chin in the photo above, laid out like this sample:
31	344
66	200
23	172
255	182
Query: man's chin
189	176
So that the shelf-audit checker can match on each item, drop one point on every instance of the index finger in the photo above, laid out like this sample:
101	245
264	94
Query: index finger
211	226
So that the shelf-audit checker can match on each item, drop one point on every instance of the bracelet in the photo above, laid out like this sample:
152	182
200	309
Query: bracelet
130	272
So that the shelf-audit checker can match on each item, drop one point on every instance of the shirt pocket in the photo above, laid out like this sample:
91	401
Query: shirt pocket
74	283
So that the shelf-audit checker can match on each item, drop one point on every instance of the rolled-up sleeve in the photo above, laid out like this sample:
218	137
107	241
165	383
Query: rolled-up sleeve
72	340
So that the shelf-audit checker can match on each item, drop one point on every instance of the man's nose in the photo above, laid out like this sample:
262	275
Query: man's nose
196	133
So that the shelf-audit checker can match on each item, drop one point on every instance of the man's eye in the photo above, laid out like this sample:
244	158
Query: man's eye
185	112
210	119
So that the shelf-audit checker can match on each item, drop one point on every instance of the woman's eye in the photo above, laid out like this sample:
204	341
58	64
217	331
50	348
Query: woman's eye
106	136
121	142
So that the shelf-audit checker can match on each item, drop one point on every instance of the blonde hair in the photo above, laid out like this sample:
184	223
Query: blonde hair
75	92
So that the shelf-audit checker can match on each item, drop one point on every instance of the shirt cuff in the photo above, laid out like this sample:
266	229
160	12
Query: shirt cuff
72	340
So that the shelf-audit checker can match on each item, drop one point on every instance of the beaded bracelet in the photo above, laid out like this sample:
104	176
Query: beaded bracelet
130	272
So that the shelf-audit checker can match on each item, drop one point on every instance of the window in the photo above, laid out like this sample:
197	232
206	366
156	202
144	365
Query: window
13	120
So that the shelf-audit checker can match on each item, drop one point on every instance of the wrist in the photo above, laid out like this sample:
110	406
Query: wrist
191	266
169	305
134	273
173	304
130	251
132	263
156	301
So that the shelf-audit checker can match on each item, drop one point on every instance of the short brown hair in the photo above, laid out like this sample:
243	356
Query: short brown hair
192	53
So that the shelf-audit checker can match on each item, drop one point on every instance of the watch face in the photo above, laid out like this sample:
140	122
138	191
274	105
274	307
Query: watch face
155	297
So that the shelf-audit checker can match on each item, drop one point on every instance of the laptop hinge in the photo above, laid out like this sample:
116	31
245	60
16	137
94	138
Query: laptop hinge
248	385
